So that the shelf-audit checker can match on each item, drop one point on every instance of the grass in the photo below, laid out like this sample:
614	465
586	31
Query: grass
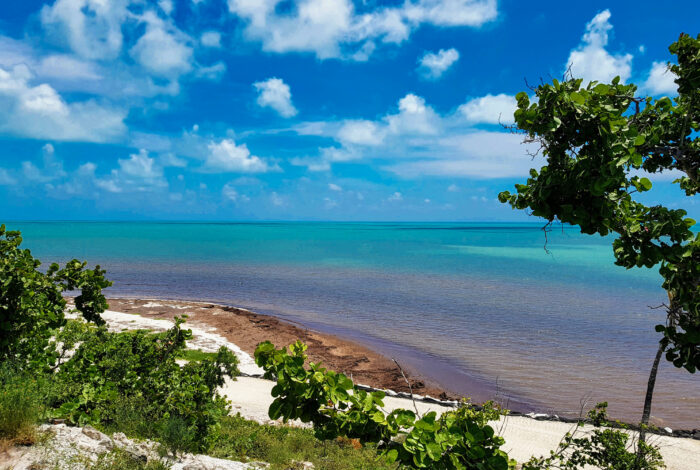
195	355
21	407
285	447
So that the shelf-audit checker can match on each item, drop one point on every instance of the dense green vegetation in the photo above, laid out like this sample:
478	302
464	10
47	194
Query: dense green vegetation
597	140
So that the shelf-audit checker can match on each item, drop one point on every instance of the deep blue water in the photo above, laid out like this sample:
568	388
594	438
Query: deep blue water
468	305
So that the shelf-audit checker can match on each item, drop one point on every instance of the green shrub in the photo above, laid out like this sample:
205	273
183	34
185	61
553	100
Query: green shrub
132	379
31	305
603	448
458	439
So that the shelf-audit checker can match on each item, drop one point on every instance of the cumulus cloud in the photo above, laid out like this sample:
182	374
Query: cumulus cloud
361	132
211	39
489	109
163	50
52	167
395	197
418	142
138	173
591	60
432	65
274	93
334	187
332	28
91	28
227	157
660	80
477	154
414	116
39	111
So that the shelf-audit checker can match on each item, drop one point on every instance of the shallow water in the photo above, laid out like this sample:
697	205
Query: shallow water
482	308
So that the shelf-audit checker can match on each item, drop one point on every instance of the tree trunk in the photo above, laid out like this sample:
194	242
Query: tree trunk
647	406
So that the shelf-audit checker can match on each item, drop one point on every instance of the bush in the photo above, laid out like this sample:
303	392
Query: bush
132	379
603	448
31	305
459	439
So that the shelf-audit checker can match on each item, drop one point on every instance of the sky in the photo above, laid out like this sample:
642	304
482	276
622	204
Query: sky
298	109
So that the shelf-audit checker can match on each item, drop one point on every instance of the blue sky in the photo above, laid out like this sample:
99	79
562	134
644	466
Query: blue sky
297	109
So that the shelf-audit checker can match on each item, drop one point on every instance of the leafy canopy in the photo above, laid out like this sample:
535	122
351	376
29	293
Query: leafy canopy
31	304
598	141
459	439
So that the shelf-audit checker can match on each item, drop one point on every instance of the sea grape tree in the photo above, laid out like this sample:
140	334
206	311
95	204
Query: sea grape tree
601	143
31	302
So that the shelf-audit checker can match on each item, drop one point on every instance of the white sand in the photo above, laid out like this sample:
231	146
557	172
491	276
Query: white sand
203	337
525	437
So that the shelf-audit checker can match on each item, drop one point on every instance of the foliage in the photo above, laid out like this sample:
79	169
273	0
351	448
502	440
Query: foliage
31	305
137	371
285	447
457	440
603	448
21	405
596	140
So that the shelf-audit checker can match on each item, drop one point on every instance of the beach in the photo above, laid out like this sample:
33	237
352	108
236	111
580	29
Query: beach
479	308
250	396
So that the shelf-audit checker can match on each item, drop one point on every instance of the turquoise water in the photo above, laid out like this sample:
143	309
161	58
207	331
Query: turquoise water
479	308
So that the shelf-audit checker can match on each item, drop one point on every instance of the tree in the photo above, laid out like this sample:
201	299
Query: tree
31	302
599	140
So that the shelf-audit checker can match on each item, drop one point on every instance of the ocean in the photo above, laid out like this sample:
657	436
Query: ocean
481	308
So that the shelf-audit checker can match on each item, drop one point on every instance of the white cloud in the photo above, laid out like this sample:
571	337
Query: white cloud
451	12
66	67
274	93
332	28
230	193
211	39
169	159
91	28
477	154
661	80
489	109
361	132
395	197
226	156
40	112
311	163
167	6
433	65
138	173
213	72
417	141
52	168
453	188
591	61
414	117
163	50
5	178
334	187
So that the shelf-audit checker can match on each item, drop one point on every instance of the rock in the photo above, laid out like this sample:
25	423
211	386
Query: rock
668	430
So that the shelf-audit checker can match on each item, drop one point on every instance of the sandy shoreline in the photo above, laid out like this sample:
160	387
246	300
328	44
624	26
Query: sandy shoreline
247	329
214	326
